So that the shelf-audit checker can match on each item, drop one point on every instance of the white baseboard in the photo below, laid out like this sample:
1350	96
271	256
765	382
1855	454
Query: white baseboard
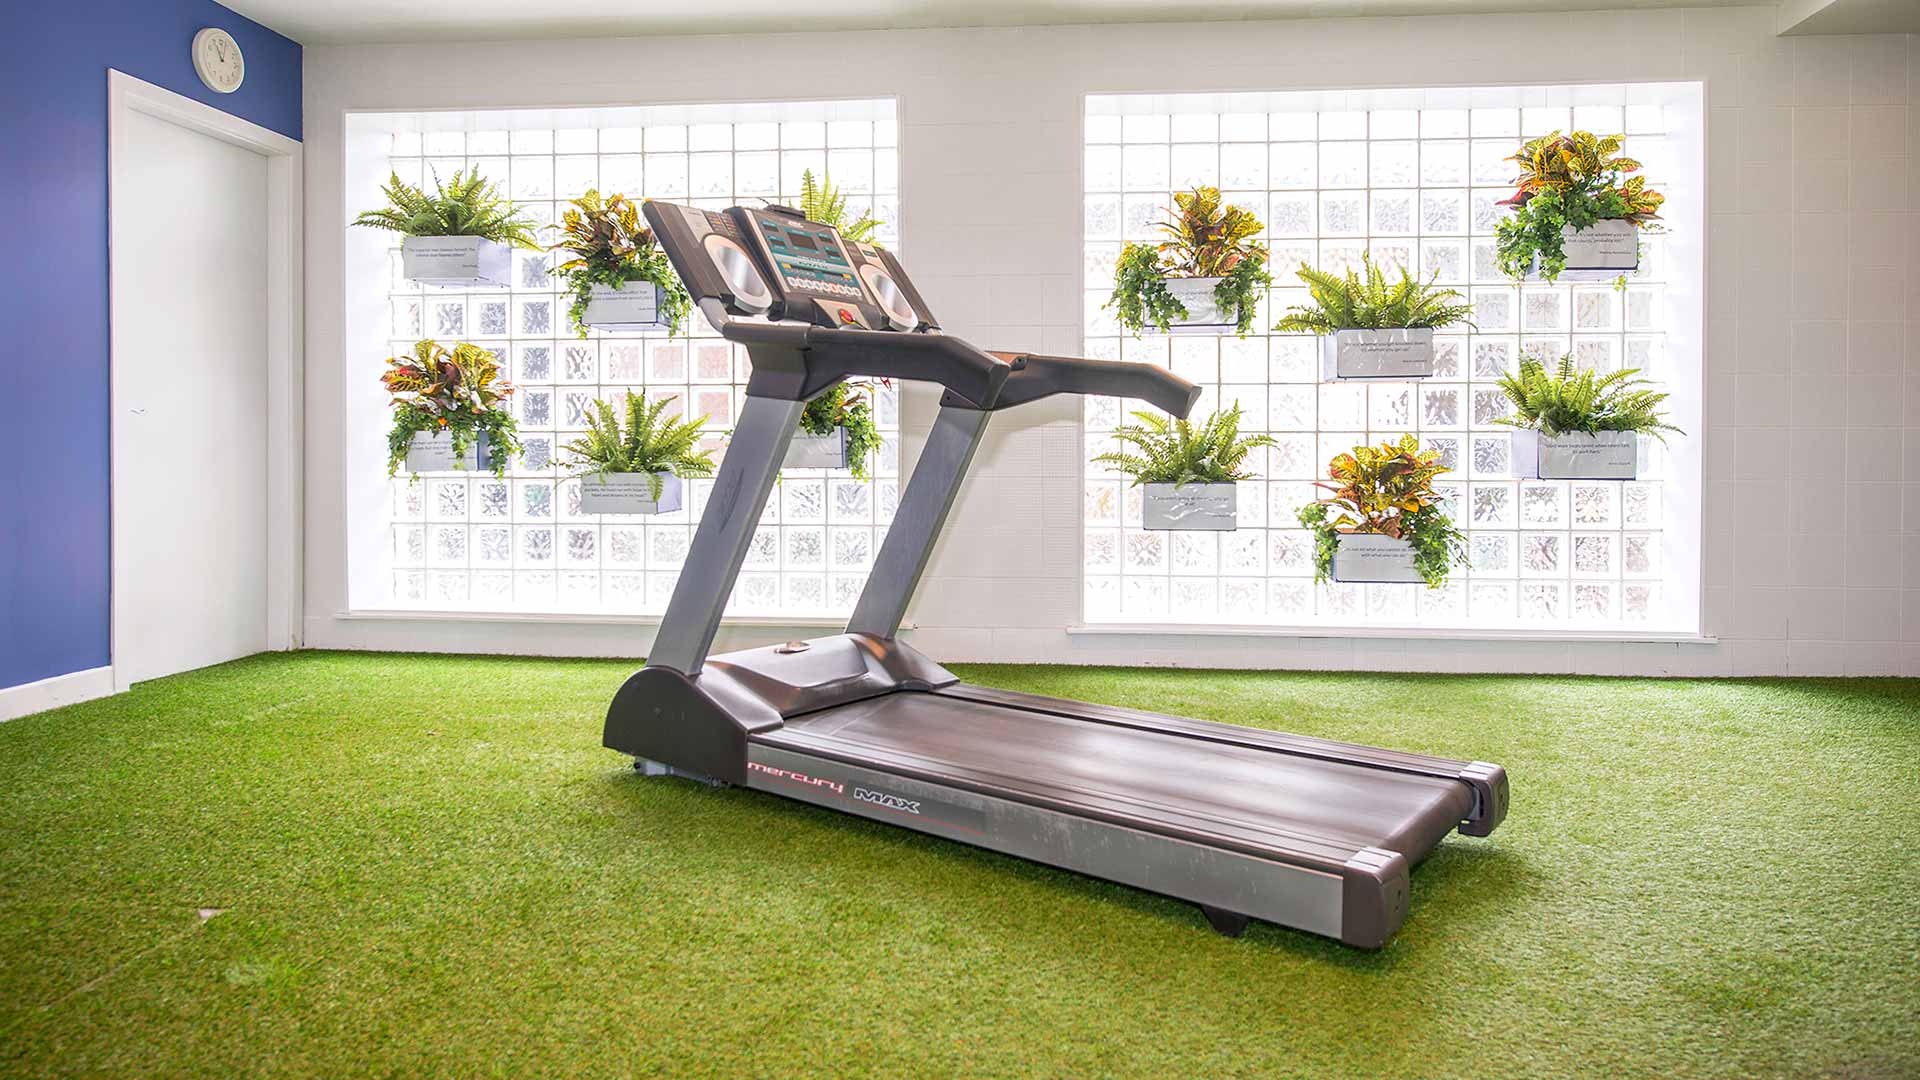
33	697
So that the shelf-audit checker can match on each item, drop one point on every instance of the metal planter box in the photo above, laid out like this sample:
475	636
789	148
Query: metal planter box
434	453
1377	354
1204	314
456	260
1600	252
1208	507
827	451
1370	557
629	493
1576	455
633	306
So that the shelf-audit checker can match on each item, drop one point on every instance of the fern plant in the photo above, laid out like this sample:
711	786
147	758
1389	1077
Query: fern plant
647	443
465	205
1369	301
459	393
1386	490
610	247
1575	180
1206	238
847	406
1178	452
1569	400
823	202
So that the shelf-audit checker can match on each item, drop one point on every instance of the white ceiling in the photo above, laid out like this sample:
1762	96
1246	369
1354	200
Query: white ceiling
338	22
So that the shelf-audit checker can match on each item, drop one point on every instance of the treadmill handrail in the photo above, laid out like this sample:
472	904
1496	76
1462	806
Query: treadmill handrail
1035	376
795	360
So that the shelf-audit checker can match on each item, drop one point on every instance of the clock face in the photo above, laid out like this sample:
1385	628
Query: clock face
216	56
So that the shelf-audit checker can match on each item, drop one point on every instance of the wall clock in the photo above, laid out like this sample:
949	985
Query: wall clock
217	59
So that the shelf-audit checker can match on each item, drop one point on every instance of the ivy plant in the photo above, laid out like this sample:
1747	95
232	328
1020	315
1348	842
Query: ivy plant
648	443
1168	451
611	247
458	393
821	201
465	205
1569	400
1368	300
1386	490
1206	238
1575	180
850	407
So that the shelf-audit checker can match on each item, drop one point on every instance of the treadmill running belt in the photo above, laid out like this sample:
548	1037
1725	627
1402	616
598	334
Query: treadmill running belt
1249	797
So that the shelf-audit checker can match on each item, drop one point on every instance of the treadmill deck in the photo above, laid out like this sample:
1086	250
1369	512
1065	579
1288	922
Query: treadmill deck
1254	799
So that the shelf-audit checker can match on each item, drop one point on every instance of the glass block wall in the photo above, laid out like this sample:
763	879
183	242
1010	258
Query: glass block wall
522	544
1417	184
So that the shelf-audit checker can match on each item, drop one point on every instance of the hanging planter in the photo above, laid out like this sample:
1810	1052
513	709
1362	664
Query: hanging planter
1578	213
1602	251
1580	425
617	274
1371	328
1576	455
630	493
632	305
1200	507
1382	521
1377	354
1205	314
1204	279
1372	558
1187	473
456	260
431	453
439	395
808	451
462	234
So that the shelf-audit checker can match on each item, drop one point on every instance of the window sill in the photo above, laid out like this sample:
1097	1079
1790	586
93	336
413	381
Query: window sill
1403	632
582	619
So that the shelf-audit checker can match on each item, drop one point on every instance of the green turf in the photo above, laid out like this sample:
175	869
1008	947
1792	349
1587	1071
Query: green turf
429	867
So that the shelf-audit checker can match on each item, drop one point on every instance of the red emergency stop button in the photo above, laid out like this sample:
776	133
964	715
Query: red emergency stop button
846	316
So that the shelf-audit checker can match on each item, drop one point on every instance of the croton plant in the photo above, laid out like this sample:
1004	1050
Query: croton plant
459	393
1575	180
1386	490
1206	238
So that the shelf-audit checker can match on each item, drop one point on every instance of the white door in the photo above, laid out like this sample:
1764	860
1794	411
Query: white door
190	355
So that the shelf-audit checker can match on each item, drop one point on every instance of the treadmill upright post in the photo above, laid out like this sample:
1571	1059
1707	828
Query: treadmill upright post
917	521
747	473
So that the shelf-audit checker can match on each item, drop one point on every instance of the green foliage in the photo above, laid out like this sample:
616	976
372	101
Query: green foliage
1565	399
1368	301
466	205
648	443
821	201
459	393
1386	490
847	406
1179	452
1205	238
1575	180
610	247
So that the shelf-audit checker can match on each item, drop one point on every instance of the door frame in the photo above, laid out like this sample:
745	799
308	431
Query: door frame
127	96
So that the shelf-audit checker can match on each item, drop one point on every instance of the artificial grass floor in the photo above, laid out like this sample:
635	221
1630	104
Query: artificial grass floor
429	867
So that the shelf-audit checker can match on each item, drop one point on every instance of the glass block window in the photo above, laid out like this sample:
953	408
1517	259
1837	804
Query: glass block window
1414	177
522	543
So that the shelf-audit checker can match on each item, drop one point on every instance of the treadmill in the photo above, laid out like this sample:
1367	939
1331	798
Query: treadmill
1244	822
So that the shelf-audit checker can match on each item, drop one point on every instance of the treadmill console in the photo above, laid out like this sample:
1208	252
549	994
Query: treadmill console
774	262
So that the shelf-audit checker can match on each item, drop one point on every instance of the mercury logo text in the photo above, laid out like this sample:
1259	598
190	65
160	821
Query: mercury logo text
797	777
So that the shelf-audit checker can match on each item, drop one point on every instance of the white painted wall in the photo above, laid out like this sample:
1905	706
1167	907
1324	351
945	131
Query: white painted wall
1813	387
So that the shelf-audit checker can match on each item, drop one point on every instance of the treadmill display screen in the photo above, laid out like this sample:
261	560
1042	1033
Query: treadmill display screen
808	257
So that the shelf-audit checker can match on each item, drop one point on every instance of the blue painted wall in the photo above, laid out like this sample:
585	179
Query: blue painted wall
54	56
